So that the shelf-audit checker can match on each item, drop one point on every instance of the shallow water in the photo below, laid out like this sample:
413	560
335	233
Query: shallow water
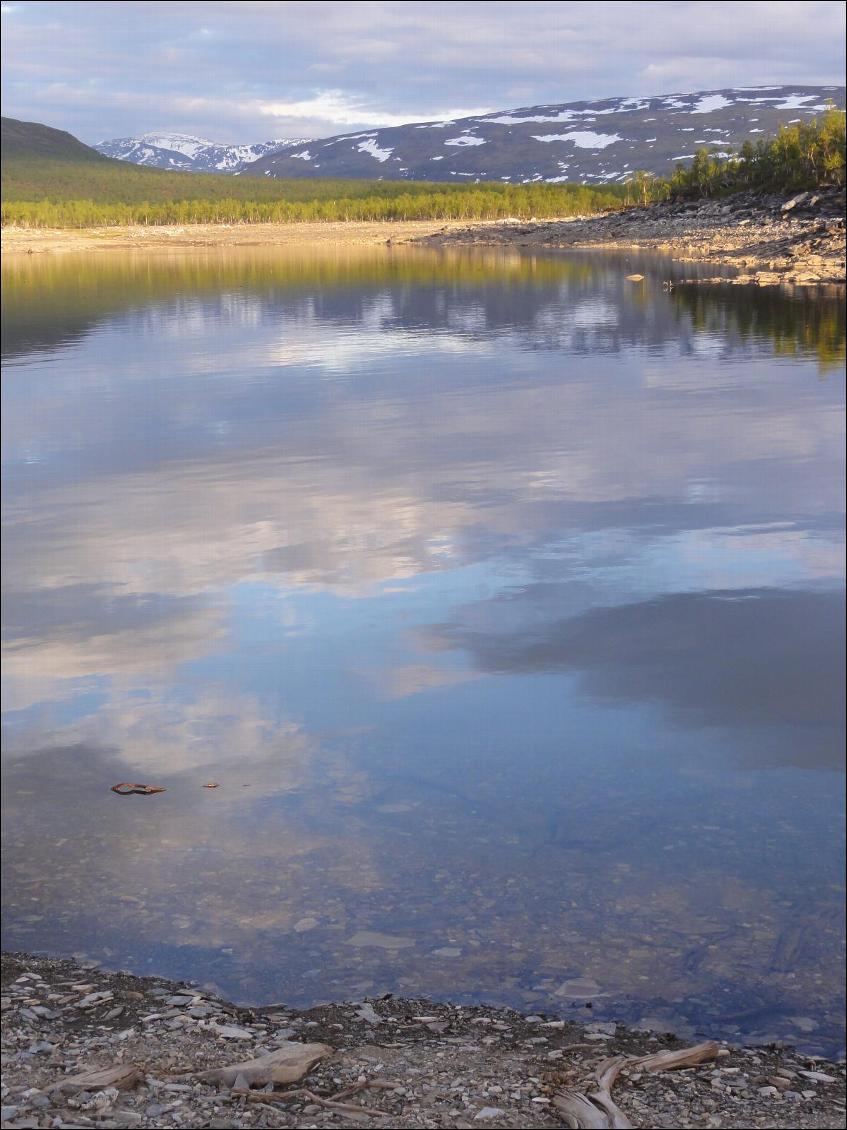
503	598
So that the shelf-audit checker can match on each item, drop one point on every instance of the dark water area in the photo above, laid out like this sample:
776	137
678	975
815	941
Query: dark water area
502	598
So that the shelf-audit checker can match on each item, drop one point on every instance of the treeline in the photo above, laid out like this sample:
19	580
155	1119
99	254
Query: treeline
120	182
802	155
38	192
394	202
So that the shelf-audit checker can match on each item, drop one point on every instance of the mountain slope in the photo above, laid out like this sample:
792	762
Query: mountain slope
26	140
593	142
190	154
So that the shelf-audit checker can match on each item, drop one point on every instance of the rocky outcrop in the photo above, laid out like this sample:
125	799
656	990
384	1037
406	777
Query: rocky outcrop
767	238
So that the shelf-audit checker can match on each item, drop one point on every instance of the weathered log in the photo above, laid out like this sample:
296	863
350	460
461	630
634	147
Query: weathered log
122	1076
288	1064
672	1061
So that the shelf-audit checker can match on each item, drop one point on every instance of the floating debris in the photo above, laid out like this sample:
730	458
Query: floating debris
127	788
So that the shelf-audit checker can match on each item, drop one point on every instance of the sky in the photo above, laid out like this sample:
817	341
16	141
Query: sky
256	70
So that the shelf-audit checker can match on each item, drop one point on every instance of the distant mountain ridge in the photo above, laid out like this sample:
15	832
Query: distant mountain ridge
177	151
595	142
592	142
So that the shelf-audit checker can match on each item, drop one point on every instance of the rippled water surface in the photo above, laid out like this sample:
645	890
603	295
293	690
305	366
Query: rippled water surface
503	599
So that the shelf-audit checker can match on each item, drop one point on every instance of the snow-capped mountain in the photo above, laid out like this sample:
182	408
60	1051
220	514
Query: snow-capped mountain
595	142
191	154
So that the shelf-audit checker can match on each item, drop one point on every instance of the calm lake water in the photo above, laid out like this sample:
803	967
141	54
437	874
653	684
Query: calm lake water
503	598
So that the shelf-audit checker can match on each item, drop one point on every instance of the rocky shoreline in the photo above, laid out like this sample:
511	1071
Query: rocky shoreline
161	1049
767	239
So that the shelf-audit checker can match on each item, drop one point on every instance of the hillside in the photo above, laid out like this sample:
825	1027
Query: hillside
176	151
32	140
596	142
64	184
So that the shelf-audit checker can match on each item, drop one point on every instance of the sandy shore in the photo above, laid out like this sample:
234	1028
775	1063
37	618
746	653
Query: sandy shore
24	241
390	1062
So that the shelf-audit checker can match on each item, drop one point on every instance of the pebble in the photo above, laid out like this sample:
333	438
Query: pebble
380	941
305	924
232	1032
156	1110
93	999
368	1013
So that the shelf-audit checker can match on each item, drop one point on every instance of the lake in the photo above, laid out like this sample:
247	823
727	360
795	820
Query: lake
502	599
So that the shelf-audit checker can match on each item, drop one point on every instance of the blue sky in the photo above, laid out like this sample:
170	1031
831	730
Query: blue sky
248	71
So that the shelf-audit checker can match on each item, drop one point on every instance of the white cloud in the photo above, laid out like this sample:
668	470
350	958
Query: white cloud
339	109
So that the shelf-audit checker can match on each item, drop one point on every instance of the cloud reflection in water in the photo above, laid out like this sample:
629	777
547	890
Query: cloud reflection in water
486	587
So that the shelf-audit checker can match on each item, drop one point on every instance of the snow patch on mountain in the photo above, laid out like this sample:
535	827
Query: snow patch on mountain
585	139
794	102
176	143
370	146
709	103
517	120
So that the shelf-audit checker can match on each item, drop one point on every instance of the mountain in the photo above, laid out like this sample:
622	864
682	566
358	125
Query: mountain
190	154
27	140
593	142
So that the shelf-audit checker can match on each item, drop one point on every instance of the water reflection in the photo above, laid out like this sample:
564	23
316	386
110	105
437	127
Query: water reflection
765	667
504	599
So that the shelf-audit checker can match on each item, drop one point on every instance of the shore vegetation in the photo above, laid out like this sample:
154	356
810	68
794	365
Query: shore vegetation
802	155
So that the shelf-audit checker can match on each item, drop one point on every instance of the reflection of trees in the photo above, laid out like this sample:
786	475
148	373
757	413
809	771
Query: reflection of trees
48	302
791	323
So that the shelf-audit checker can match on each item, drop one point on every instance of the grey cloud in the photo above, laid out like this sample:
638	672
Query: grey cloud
249	71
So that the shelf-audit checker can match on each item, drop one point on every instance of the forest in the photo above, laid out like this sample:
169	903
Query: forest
58	194
802	155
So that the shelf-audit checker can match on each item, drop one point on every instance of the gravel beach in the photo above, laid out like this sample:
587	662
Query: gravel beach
389	1062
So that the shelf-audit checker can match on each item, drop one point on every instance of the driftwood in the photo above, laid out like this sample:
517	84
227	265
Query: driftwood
122	1076
334	1103
288	1064
598	1111
671	1061
587	1112
319	1100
